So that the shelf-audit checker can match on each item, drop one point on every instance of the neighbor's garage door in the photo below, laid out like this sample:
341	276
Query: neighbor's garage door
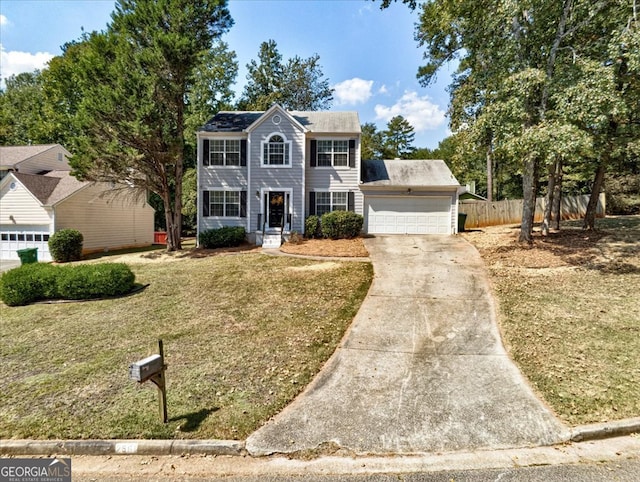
408	215
13	238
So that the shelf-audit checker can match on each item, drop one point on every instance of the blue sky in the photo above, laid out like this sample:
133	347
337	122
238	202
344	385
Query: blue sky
368	55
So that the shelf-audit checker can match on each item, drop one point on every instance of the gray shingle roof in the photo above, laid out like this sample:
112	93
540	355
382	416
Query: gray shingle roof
12	155
52	187
407	173
318	122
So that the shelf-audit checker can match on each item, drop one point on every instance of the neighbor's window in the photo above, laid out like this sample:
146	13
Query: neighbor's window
223	152
330	201
333	153
276	151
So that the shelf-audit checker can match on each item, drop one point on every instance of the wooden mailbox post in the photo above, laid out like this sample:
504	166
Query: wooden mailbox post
152	368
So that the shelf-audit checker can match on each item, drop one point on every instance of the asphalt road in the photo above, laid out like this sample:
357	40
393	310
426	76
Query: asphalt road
622	471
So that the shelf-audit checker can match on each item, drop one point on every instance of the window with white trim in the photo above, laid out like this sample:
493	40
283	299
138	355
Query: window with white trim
223	152
227	204
330	201
276	151
333	153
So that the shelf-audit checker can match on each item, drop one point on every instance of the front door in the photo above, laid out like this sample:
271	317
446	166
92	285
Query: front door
276	208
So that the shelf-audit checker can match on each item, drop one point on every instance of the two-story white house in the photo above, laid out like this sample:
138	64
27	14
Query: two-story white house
267	171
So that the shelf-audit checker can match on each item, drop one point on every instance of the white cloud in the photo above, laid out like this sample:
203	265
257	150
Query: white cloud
3	21
353	91
15	62
420	112
383	89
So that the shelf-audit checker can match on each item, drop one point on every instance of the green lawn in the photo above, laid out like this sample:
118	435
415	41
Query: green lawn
243	334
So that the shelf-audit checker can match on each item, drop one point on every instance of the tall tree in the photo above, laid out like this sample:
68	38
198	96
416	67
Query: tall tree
398	138
135	79
511	76
298	84
22	116
371	142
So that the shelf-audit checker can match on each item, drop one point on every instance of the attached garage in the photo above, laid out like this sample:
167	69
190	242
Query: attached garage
14	238
409	197
408	215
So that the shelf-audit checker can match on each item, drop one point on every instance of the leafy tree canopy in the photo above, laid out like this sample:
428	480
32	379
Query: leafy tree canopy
297	84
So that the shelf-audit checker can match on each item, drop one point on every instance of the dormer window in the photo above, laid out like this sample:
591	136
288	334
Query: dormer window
276	151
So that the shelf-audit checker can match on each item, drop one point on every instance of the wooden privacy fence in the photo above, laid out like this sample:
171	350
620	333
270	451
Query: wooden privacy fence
485	213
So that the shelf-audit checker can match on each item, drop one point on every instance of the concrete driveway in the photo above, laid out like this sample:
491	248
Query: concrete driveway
422	368
7	264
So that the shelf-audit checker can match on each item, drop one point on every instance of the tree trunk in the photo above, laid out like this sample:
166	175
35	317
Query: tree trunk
529	180
489	173
557	200
598	181
555	170
179	174
551	185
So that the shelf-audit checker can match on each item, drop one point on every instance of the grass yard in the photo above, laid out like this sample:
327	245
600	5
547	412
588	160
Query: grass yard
243	334
570	314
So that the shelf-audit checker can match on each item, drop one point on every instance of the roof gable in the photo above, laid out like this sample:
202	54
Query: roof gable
10	156
52	187
312	121
407	173
275	109
40	187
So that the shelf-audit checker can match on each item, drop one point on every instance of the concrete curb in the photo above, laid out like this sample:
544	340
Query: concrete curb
121	447
582	433
599	431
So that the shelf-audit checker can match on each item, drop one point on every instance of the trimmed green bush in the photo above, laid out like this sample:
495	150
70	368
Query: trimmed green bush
87	281
226	237
43	281
341	224
66	245
28	283
312	227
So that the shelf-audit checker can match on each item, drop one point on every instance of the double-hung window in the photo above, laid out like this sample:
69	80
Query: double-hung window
333	153
227	204
223	152
330	201
276	151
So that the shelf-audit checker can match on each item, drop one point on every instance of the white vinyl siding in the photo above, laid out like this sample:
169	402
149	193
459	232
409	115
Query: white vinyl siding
53	159
107	218
20	207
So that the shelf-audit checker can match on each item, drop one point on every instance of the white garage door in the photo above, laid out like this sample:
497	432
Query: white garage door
408	215
13	238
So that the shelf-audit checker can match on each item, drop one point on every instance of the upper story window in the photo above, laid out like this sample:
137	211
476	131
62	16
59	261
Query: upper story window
333	153
276	151
224	152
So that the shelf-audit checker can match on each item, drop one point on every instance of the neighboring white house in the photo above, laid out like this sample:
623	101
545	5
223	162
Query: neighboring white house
268	171
36	200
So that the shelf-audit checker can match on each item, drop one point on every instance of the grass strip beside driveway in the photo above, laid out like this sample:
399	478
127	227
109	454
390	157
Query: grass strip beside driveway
570	314
243	334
